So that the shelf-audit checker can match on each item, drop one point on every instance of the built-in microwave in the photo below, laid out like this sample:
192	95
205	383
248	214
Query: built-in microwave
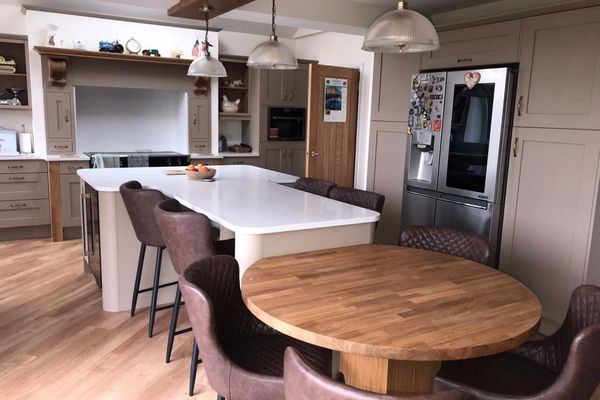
285	123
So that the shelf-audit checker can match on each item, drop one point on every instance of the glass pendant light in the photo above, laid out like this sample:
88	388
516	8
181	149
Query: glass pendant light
205	65
272	54
401	31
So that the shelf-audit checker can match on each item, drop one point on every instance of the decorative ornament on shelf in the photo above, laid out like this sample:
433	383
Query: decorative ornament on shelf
133	46
272	54
228	106
176	52
205	65
401	31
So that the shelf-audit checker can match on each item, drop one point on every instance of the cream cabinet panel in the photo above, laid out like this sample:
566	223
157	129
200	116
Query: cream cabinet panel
481	45
199	119
297	83
24	186
550	199
70	199
59	116
297	159
18	213
388	176
274	155
559	74
391	85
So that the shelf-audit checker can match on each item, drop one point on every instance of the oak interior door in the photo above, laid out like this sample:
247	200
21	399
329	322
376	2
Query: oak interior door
332	144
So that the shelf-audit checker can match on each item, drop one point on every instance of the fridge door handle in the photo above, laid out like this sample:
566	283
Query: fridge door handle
84	226
515	147
462	203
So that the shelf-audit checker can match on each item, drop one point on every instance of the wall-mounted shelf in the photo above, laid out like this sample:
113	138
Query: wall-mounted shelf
235	116
233	88
15	108
16	74
15	47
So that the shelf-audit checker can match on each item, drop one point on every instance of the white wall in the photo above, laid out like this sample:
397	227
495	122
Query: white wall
92	30
242	44
344	50
116	119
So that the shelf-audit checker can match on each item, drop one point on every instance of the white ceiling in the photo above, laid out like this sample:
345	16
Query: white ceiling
427	7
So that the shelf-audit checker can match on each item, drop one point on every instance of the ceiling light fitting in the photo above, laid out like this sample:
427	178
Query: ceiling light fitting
272	54
401	31
205	65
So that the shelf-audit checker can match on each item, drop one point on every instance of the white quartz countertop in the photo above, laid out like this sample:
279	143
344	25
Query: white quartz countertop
243	198
25	157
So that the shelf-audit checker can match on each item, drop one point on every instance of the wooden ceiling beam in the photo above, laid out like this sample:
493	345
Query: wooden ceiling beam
192	8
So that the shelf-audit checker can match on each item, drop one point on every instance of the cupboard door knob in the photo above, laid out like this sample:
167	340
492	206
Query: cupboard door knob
314	154
515	145
519	105
195	120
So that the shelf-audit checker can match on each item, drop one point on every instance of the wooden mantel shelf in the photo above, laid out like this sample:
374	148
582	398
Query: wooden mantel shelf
59	53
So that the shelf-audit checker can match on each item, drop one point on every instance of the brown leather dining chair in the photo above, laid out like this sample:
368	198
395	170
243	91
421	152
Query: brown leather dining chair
315	186
189	236
360	198
446	240
243	358
139	203
304	383
564	366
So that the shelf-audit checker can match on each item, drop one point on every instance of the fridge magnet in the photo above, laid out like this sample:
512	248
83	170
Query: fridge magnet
336	99
472	79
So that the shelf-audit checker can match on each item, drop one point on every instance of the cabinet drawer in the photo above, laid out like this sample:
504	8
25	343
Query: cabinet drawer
202	147
23	186
72	167
60	147
480	45
22	167
18	213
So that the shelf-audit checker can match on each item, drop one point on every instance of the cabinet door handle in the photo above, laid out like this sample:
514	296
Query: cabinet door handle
463	60
291	94
61	147
15	167
515	145
195	120
285	95
16	178
238	162
18	205
67	115
314	154
290	153
519	105
72	168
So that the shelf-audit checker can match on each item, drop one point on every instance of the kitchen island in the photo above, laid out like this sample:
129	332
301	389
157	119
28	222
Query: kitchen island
252	204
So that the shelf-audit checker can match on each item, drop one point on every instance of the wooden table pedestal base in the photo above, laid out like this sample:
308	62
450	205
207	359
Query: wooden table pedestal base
393	377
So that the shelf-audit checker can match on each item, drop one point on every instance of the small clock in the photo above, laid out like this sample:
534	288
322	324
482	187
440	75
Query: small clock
133	46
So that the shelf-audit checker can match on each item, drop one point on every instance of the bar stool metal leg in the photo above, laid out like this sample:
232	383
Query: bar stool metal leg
173	326
155	288
193	368
138	277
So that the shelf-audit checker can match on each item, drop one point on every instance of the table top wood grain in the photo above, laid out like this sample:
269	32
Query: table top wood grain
392	302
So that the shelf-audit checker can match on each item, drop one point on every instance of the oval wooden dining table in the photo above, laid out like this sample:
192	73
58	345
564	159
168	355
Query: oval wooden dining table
393	313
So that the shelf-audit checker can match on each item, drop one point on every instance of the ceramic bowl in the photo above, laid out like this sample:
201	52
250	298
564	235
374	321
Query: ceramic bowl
201	174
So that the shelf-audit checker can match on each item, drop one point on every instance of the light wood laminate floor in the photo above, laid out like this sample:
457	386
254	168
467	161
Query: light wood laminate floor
57	343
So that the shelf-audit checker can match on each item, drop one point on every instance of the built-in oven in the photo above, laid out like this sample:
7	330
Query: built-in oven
285	123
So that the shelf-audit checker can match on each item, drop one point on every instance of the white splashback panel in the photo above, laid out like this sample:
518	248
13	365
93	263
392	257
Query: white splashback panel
117	119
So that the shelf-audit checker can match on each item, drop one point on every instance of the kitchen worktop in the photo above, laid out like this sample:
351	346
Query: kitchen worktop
21	157
243	198
25	157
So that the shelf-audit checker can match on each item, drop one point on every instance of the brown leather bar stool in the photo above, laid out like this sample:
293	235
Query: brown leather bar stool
360	198
139	203
315	186
189	236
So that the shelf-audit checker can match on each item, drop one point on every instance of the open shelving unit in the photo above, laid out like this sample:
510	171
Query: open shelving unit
16	48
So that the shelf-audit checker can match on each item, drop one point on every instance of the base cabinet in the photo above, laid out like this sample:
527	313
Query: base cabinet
389	139
550	203
286	157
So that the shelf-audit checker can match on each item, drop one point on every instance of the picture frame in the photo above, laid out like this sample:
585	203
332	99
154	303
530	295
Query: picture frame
8	143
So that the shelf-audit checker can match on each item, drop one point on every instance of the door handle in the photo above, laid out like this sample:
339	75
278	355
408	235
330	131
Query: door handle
84	232
290	153
519	106
515	146
462	203
195	120
15	166
18	205
16	178
66	115
291	94
283	153
285	95
315	154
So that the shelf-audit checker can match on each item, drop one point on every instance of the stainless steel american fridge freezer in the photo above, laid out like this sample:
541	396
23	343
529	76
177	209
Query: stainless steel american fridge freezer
459	133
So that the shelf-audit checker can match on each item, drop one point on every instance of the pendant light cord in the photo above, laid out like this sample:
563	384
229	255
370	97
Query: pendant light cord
206	44
273	19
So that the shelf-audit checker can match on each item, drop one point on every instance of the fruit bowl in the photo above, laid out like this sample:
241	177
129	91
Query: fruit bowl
201	174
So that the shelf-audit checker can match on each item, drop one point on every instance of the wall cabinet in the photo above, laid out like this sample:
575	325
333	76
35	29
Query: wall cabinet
481	45
391	85
59	122
286	157
285	88
549	212
559	72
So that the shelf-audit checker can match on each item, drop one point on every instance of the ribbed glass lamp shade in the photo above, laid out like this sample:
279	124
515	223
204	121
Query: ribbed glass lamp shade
205	65
272	55
401	31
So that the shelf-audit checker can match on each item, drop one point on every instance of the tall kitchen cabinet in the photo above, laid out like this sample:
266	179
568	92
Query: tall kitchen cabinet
388	138
199	124
551	227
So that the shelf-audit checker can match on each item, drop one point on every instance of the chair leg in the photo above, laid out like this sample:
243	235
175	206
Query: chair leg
138	277
193	368
159	253
173	326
